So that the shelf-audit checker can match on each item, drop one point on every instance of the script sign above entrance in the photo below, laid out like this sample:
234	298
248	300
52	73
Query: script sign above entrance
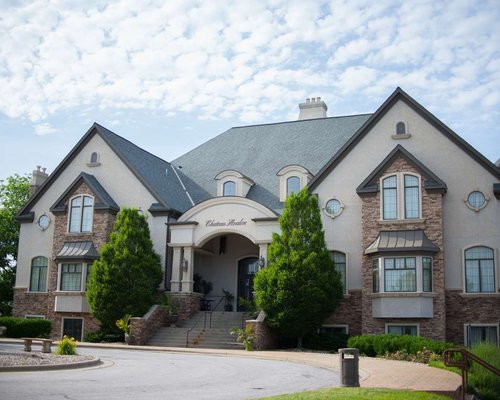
228	222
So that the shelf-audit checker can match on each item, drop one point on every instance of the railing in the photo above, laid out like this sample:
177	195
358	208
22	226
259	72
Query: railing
466	357
209	313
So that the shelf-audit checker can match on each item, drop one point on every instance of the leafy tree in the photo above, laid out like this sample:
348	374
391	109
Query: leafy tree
14	193
300	287
126	277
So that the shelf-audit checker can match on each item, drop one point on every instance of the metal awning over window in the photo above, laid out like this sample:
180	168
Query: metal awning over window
77	251
402	241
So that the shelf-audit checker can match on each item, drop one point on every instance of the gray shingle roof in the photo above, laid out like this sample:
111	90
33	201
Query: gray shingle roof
260	151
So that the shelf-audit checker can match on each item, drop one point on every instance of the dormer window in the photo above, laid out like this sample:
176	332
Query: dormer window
229	188
292	185
233	183
94	160
292	179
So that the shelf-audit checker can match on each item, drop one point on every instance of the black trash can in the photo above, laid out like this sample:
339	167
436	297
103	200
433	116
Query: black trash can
349	367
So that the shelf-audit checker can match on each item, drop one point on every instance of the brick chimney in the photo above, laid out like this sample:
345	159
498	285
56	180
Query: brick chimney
312	108
38	178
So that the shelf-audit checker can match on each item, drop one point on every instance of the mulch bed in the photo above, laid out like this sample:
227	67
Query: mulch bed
14	358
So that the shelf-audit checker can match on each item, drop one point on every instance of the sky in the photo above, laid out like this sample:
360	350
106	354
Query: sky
169	75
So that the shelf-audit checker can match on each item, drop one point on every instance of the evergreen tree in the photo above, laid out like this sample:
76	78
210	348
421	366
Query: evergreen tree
300	287
14	193
125	279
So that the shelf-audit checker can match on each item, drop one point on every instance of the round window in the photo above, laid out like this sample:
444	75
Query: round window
43	222
476	200
333	207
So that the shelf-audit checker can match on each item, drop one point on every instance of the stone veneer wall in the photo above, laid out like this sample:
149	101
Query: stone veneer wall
348	313
469	309
432	213
142	329
188	303
263	337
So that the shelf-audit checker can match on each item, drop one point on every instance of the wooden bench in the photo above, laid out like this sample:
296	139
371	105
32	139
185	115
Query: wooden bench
46	344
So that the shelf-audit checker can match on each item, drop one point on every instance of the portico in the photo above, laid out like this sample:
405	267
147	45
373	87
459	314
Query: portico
224	240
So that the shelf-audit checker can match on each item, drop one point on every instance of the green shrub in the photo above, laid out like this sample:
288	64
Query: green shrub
331	342
66	346
26	327
482	381
101	336
380	345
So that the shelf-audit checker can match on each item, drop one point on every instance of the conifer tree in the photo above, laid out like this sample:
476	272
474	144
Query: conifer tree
125	279
300	286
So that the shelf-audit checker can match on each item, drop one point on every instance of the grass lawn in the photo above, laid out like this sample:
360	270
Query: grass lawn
360	394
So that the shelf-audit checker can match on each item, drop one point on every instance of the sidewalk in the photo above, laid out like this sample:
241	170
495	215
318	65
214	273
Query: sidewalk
374	372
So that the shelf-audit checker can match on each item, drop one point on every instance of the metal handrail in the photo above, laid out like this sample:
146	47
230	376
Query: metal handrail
189	330
465	358
204	322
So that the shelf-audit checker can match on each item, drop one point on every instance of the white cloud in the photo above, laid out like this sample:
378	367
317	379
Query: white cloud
44	129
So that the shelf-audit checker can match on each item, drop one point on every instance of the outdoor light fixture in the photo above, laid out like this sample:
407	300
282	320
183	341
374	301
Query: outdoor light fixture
185	264
262	262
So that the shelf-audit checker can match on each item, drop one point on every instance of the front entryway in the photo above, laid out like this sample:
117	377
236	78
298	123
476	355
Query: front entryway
247	268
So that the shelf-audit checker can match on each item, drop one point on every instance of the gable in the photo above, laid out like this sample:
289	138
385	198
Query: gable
431	181
397	96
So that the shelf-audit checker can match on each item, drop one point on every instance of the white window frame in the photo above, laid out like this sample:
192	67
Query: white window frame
242	184
480	325
290	171
83	326
419	273
405	324
79	231
224	187
34	316
400	193
83	284
495	271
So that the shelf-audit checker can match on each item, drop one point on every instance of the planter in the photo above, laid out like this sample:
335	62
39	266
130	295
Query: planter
129	339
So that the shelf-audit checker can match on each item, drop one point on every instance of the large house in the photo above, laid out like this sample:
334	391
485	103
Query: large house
411	214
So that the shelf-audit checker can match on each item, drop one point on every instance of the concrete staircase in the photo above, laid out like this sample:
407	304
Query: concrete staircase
203	333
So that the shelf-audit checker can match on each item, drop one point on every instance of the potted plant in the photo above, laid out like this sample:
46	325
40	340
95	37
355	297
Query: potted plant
124	325
245	336
228	300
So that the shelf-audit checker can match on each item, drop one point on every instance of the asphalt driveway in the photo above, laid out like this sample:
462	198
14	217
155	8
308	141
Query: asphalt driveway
148	375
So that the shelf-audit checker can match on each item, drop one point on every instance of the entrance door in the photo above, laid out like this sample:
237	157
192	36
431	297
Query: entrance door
247	268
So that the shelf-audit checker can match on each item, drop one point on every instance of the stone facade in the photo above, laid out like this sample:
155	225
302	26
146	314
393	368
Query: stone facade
432	224
348	313
142	329
464	308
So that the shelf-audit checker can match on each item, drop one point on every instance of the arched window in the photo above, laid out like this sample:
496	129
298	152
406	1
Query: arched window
340	265
479	270
400	128
292	185
81	213
412	197
229	189
401	196
94	158
38	280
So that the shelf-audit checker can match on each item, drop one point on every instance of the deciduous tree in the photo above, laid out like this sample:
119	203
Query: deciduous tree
14	193
300	286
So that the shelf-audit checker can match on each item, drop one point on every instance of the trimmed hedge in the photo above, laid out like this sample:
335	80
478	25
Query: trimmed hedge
378	345
103	337
26	327
331	342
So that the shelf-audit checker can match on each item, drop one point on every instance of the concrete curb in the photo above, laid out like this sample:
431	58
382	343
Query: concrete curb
48	367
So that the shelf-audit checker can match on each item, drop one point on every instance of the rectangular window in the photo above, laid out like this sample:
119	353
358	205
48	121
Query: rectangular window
481	333
71	277
411	330
479	270
390	198
400	274
334	329
376	276
73	327
427	274
412	197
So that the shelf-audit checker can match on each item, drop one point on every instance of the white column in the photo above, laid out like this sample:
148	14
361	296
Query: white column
187	273
175	282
